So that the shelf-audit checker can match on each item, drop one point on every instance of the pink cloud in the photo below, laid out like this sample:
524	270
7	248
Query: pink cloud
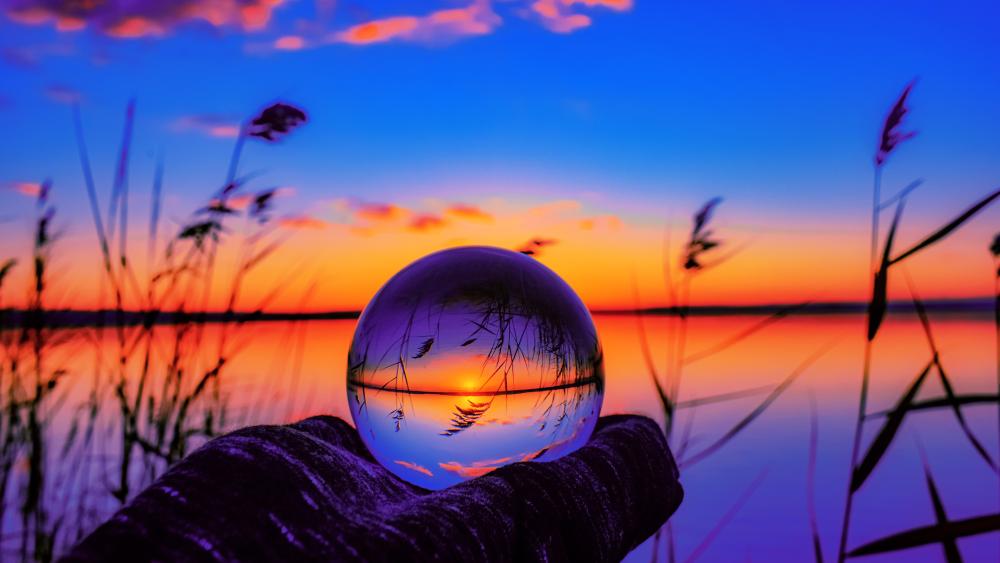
557	18
30	189
427	222
131	19
415	467
378	31
379	211
561	17
302	222
465	471
477	18
290	43
240	202
208	124
618	5
370	218
63	94
480	468
465	211
610	222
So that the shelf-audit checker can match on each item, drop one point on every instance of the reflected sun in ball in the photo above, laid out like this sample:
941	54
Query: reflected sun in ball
469	359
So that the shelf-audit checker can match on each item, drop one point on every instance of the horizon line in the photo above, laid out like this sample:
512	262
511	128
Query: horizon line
92	317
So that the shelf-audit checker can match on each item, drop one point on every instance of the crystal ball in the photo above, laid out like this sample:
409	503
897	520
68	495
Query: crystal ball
470	359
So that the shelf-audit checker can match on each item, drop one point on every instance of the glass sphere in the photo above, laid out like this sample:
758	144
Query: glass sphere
469	359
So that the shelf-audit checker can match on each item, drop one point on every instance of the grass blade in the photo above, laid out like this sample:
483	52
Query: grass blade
746	333
88	178
121	174
926	535
154	216
724	397
665	401
771	397
946	403
879	301
951	553
811	479
885	436
947	229
945	381
726	518
901	195
957	409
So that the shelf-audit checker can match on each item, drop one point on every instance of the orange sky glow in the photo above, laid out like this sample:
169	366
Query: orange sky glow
335	257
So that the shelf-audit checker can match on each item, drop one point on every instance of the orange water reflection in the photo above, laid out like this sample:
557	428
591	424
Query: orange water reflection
280	372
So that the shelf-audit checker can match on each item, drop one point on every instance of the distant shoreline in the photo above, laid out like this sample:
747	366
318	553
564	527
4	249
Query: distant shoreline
89	318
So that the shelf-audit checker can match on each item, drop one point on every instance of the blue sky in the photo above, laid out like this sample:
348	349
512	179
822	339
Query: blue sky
777	100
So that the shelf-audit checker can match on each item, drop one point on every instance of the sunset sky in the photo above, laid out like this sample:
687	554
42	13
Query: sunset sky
595	123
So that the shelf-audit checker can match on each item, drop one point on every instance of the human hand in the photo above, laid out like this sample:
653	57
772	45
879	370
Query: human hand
312	491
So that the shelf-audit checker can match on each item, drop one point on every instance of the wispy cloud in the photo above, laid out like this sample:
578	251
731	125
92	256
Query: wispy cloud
368	218
478	18
379	211
482	467
207	124
466	211
29	56
457	218
555	208
131	19
30	189
563	16
302	222
415	467
427	222
465	471
62	94
610	222
290	43
557	17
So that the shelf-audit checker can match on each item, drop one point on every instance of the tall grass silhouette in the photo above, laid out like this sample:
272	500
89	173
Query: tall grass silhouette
697	255
881	268
995	251
163	380
694	257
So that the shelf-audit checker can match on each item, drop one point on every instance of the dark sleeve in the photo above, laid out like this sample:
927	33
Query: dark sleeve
311	491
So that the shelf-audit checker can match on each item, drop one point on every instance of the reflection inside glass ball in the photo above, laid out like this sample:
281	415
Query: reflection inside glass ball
470	359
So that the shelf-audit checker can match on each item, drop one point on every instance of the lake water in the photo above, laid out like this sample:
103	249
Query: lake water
67	470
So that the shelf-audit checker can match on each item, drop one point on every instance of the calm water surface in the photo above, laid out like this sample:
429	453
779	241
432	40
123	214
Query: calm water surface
65	481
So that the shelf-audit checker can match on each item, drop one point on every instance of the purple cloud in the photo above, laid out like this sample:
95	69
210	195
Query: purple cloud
136	18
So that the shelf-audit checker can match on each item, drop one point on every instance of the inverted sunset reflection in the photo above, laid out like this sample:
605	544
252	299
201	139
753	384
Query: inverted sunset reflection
469	359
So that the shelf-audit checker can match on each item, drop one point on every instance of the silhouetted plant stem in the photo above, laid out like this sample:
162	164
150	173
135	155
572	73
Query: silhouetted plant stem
889	139
811	478
726	518
876	212
995	251
678	356
866	365
856	447
234	160
647	356
671	544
